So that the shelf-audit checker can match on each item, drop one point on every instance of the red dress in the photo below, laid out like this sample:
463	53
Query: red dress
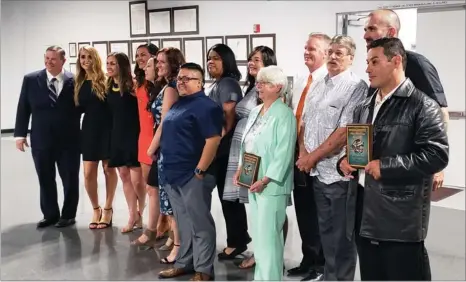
146	124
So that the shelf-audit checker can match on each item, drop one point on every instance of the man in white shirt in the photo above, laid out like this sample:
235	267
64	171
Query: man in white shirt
315	56
47	96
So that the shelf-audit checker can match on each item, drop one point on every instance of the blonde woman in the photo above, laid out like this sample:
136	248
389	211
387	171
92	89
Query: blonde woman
90	96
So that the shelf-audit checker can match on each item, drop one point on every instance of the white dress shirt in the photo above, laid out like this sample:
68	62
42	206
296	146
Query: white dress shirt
379	101
300	82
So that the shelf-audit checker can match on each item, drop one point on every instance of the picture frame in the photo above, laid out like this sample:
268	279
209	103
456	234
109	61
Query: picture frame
194	50
72	50
185	20
268	40
134	46
119	46
155	41
81	44
243	69
160	21
72	68
138	18
239	44
211	41
103	50
359	144
249	170
172	42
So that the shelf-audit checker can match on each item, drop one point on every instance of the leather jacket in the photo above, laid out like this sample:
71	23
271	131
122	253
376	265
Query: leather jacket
410	140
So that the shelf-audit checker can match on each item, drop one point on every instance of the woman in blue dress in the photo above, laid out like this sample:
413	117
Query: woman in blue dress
168	63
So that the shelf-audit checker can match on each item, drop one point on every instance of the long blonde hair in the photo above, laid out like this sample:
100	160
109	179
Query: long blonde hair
95	73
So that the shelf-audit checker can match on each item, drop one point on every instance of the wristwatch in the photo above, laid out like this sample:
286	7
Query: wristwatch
198	171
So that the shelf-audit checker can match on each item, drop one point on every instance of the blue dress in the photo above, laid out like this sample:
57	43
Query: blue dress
156	108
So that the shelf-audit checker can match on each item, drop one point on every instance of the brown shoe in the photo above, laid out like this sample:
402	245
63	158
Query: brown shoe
201	277
172	273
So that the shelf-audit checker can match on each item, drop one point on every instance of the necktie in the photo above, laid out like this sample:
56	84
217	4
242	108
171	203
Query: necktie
299	110
53	96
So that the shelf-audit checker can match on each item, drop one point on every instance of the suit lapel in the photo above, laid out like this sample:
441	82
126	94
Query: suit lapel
42	81
67	80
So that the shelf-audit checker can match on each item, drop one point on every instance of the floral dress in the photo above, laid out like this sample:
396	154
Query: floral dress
165	206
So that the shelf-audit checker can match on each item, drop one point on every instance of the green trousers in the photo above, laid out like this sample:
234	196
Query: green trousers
268	216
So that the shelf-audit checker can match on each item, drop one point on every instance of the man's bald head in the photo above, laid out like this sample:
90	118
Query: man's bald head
381	23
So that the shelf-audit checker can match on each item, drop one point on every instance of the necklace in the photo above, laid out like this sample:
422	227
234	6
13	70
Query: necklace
115	87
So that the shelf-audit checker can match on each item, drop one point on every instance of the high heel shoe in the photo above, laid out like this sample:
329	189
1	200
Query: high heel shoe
149	242
165	259
93	225
104	224
137	224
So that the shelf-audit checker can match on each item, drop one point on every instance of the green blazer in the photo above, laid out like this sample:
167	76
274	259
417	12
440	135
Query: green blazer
275	144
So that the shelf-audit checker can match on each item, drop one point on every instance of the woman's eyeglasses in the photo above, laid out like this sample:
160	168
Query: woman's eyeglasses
185	79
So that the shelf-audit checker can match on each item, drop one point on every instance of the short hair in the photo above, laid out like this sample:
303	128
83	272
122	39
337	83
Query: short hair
194	67
391	47
322	36
345	41
274	75
390	18
57	49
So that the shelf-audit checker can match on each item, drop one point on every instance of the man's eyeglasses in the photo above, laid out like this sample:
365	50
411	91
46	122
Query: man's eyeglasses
185	79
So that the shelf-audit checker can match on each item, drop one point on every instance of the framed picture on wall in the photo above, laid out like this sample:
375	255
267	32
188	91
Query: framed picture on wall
134	46
73	68
239	44
160	21
138	18
155	41
172	42
102	49
72	50
194	50
119	46
243	69
263	40
211	41
185	20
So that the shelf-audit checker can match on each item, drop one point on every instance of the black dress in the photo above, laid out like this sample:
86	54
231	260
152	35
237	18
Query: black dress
125	129
96	125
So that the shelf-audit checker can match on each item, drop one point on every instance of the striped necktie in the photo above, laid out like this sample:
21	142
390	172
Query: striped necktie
53	93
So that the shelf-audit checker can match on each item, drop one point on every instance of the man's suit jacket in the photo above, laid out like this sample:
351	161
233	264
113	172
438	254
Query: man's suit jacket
275	144
54	125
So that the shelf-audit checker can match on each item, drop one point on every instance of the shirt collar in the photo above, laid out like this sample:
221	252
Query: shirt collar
319	73
195	95
59	77
335	79
379	99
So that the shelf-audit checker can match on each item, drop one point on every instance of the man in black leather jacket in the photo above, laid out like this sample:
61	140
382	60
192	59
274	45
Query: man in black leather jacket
410	145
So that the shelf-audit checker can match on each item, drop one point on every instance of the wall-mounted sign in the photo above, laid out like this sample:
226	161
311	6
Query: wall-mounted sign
417	4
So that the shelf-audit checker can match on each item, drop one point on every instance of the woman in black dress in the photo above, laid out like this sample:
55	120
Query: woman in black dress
125	134
91	97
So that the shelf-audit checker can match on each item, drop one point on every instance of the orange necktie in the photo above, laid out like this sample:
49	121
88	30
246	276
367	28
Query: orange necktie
299	110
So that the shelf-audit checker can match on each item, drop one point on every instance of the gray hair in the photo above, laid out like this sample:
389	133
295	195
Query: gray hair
321	36
57	49
345	41
274	75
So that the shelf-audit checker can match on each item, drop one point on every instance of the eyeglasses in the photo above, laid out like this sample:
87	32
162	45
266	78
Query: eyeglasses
186	79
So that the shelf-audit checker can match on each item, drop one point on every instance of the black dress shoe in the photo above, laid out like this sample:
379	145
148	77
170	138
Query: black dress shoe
232	255
46	222
299	271
314	276
65	222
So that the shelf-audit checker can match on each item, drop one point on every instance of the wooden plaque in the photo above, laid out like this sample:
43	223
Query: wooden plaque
249	170
359	144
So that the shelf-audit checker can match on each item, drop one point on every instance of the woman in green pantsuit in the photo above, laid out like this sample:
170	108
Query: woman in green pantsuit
270	133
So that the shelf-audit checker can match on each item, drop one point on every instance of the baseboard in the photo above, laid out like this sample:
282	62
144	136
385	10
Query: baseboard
10	131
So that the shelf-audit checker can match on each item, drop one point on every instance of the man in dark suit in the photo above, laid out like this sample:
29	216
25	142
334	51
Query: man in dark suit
47	95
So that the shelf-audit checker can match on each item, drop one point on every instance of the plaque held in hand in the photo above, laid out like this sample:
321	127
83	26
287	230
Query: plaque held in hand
359	144
249	170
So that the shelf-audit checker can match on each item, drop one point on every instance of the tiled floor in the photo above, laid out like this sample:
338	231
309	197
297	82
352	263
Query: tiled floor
78	253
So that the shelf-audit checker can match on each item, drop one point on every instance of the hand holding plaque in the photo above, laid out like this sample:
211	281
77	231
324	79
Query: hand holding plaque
359	144
249	170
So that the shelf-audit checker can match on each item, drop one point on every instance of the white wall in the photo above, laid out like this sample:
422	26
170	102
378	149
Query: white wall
29	26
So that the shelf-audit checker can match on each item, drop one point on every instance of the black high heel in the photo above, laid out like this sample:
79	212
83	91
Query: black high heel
102	224
232	255
93	225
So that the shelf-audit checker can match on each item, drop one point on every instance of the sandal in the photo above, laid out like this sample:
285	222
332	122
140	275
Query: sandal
137	224
246	263
149	242
103	224
165	259
94	225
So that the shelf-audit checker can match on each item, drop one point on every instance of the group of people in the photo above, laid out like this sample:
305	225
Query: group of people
173	139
